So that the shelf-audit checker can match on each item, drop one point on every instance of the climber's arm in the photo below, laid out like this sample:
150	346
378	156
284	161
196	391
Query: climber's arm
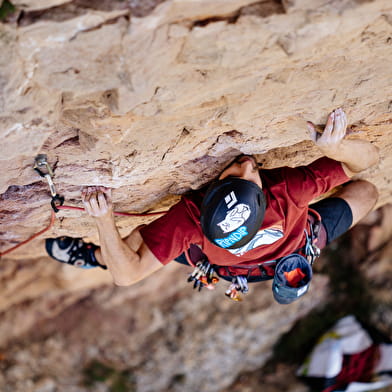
355	155
129	260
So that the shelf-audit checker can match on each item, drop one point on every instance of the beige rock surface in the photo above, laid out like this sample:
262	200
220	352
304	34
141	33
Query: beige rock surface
36	5
156	105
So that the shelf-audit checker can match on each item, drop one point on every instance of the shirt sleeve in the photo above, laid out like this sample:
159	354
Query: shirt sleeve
304	183
170	235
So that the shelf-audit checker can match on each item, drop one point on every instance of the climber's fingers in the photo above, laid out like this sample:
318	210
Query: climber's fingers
340	125
334	132
312	131
97	201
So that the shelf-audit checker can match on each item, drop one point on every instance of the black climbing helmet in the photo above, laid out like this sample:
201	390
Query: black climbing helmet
232	212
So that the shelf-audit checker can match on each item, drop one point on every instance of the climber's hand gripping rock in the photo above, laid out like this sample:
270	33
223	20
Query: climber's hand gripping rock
334	145
97	201
335	131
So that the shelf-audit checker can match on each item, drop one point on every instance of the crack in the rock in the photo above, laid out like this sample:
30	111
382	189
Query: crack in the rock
99	26
72	141
75	8
262	9
184	133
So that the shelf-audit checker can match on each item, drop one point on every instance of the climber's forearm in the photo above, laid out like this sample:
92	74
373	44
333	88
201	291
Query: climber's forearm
356	155
122	261
129	259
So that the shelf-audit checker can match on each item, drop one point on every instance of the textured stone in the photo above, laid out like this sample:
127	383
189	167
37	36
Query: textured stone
97	93
154	105
36	5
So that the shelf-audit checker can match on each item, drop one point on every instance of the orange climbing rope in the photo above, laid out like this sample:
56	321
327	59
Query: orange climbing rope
64	207
115	212
52	218
42	167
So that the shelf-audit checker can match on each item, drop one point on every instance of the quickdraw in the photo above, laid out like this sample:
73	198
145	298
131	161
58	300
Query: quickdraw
43	168
311	250
238	285
41	161
203	276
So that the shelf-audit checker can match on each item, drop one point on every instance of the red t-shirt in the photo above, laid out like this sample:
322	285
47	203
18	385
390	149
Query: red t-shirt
288	192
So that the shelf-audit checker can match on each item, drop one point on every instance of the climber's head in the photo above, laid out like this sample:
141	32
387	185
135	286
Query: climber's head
245	167
233	207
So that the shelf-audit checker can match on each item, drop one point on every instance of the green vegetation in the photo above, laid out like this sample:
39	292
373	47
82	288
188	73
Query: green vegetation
118	381
6	9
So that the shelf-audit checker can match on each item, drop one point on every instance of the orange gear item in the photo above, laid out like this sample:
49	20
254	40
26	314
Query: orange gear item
294	277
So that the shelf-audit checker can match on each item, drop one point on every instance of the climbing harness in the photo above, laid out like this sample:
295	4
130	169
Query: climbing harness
42	167
239	276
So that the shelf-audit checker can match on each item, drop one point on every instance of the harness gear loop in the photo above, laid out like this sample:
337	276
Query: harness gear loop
239	284
41	161
240	276
242	282
203	275
311	250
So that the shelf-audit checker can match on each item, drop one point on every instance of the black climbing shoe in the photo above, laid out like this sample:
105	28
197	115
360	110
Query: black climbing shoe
73	251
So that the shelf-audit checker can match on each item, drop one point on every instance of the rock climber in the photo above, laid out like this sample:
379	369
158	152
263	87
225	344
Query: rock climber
249	225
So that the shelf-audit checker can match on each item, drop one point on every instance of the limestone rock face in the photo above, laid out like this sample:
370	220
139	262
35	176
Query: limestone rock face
36	5
154	106
154	102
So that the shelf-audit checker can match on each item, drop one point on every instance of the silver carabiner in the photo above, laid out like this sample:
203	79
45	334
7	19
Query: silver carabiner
42	167
41	160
